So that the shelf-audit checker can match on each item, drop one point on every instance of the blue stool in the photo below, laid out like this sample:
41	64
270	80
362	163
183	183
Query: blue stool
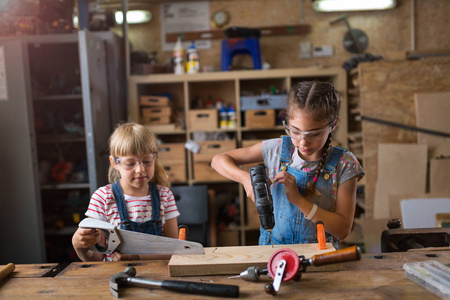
234	46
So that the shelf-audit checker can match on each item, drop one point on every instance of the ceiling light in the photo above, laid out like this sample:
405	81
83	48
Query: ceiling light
352	5
133	16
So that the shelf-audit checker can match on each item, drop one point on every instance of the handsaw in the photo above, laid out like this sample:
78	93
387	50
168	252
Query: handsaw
130	242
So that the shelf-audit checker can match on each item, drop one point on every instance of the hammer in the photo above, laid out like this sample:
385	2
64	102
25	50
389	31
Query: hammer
127	279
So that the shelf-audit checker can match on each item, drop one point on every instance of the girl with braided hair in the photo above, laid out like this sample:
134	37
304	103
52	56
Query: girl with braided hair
312	179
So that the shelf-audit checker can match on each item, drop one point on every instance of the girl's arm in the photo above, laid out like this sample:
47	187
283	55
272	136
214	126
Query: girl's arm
171	228
227	164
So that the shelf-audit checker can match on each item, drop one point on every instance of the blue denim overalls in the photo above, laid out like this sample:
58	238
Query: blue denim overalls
151	227
291	226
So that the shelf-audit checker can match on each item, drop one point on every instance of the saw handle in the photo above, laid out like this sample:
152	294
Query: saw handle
347	254
200	288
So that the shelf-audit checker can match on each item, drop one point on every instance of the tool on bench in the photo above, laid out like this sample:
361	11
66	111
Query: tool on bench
127	279
6	270
286	265
263	197
130	242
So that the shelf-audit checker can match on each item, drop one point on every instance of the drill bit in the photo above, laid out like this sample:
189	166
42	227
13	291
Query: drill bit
251	274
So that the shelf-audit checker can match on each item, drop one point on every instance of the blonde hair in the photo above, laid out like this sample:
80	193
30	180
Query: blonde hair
135	139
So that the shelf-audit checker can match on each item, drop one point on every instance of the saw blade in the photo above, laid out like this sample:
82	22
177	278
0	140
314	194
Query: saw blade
142	243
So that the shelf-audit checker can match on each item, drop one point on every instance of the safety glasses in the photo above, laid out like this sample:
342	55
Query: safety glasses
310	136
131	163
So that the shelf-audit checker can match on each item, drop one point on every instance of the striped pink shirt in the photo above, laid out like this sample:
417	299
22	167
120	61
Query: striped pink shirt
103	206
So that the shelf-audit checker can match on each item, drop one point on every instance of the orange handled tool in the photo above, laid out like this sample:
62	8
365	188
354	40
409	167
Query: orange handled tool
321	236
347	254
182	232
6	270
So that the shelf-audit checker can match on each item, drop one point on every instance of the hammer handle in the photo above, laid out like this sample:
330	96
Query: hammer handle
6	270
342	255
200	288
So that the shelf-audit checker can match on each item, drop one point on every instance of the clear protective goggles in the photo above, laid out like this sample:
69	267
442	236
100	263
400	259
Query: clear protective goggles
131	163
310	136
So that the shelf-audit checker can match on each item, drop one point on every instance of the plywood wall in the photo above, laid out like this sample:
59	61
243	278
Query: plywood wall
387	30
387	92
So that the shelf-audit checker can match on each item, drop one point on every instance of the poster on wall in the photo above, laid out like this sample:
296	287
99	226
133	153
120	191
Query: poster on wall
185	17
3	86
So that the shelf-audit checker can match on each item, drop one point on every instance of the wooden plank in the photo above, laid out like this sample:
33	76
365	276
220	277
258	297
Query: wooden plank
233	260
219	34
395	211
402	169
387	92
432	113
439	176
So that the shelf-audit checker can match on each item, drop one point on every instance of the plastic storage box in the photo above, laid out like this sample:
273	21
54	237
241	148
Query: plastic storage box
263	102
432	275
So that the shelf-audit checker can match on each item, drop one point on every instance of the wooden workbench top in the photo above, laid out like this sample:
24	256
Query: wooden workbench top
373	277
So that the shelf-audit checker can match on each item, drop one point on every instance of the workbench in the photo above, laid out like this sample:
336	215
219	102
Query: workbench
373	277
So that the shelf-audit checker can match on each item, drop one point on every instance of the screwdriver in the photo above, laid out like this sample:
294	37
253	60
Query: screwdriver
251	274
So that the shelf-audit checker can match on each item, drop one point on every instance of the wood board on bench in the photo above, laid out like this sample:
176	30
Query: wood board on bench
234	260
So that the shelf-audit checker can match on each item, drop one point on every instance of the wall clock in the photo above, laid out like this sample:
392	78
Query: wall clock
220	18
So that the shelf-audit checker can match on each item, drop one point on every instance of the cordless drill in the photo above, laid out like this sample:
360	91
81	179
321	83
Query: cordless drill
263	197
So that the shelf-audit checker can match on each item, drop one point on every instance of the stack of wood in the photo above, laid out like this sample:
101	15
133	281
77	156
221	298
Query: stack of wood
156	112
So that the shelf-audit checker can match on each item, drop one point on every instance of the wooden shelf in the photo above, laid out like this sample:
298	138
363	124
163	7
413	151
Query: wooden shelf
229	86
64	186
59	97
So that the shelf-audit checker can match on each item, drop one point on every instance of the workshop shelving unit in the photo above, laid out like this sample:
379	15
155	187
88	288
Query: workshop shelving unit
57	85
229	87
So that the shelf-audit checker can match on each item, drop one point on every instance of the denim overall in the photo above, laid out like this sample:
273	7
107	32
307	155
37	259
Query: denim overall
291	226
151	227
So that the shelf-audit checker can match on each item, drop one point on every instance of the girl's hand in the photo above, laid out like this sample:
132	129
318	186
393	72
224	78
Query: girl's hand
85	238
290	185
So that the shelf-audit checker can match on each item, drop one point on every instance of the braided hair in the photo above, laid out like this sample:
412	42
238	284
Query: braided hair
322	102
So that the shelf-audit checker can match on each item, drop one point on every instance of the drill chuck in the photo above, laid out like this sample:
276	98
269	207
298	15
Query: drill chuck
263	197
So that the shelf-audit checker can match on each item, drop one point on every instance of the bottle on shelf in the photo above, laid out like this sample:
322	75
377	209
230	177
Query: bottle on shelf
192	62
178	53
223	117
231	116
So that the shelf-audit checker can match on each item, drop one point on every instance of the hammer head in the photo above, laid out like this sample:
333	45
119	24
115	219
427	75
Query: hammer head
119	280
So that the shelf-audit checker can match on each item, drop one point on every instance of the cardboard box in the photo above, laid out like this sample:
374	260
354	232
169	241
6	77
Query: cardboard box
264	118
172	152
155	120
203	119
161	128
210	148
204	172
176	171
154	101
156	111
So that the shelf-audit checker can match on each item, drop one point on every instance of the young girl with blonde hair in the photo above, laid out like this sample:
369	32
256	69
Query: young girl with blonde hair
138	197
